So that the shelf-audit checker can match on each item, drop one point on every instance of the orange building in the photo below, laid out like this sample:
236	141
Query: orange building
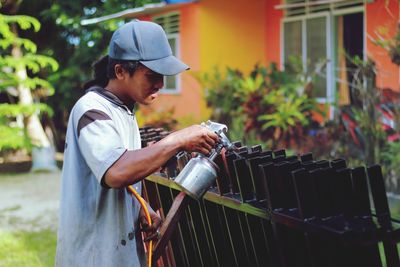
215	33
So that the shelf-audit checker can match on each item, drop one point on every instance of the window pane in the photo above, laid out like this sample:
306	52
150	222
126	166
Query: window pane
172	43
316	52
170	81
292	40
349	43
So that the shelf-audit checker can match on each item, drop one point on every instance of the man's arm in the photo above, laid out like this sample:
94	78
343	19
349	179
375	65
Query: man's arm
134	165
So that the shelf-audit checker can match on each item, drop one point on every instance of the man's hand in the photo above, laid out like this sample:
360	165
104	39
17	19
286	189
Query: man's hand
150	230
195	138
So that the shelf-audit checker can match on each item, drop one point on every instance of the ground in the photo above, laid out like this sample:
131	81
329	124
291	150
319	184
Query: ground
28	219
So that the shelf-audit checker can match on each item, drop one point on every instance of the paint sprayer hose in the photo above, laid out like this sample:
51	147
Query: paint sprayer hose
148	218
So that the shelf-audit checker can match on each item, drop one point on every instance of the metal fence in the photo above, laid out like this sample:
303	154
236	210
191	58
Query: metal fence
268	209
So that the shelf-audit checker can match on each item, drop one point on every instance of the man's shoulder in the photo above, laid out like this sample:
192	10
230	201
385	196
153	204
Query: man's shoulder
90	101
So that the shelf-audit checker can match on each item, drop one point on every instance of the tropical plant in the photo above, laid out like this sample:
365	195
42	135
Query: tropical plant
268	105
281	110
391	159
20	78
157	119
75	46
222	94
368	97
390	43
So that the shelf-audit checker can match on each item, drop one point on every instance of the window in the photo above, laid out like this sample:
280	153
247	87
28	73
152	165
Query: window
316	34
316	31
301	7
170	23
306	37
349	43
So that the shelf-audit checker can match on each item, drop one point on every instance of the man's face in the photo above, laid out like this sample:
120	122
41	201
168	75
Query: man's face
143	85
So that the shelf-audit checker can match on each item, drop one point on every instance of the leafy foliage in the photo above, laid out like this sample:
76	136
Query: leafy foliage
391	158
390	43
365	109
14	110
157	119
13	136
222	93
268	105
76	47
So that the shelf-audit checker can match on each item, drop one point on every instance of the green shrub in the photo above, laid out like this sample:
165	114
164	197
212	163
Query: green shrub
268	105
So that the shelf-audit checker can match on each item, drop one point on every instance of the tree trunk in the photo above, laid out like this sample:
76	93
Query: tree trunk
43	154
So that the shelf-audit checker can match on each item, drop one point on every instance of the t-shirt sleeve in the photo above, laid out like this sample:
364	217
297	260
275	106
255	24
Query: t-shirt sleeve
99	142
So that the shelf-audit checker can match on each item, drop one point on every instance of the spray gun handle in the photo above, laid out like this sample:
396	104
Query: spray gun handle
221	130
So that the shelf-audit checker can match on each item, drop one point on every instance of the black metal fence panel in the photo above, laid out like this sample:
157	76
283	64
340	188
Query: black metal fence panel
270	209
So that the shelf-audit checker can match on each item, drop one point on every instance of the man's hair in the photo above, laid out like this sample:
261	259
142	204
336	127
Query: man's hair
128	65
104	70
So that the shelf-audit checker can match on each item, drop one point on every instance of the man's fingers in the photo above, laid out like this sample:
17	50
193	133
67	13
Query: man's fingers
210	141
203	151
157	223
207	146
214	136
154	236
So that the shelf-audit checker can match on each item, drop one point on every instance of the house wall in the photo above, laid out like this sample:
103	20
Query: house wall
232	33
186	103
386	16
272	32
214	33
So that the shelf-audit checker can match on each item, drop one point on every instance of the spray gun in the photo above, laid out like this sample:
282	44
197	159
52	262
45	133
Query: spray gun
194	180
200	172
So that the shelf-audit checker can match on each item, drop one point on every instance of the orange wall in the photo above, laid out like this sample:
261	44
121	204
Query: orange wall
232	33
215	33
272	32
380	15
186	103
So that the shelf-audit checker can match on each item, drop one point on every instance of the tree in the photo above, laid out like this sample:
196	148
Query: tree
75	47
20	65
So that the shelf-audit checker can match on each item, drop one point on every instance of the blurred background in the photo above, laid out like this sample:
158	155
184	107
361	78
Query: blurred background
318	76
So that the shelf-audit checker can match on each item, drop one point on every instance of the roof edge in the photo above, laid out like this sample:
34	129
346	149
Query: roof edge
136	12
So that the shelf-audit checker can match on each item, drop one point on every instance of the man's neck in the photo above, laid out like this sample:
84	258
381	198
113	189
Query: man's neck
116	90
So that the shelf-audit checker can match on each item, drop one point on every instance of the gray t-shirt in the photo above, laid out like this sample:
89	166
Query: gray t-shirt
98	225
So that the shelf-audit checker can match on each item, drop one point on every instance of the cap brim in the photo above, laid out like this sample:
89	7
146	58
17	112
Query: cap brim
166	66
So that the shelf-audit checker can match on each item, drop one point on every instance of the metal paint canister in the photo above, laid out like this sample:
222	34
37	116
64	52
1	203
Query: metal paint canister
197	176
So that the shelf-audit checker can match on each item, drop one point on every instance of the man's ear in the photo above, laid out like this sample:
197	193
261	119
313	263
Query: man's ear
119	71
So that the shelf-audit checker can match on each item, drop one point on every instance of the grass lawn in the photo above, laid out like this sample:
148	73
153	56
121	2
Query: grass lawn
30	249
28	219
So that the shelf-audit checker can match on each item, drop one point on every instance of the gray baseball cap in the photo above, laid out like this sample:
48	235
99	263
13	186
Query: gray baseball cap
147	43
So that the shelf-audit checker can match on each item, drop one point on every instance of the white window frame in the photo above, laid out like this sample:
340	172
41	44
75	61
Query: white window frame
176	36
331	16
177	89
330	95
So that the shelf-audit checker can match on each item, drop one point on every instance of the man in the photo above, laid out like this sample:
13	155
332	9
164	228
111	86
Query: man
103	154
